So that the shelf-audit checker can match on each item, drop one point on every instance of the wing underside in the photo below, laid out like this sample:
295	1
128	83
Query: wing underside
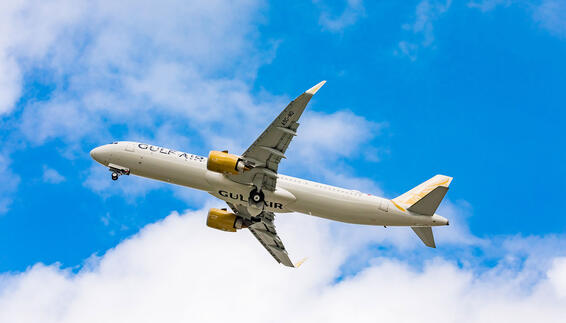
267	236
264	156
265	233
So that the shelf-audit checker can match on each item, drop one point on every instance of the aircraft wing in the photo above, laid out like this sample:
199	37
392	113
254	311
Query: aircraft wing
267	151
265	232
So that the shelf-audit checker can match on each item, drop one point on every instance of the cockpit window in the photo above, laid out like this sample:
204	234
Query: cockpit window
115	143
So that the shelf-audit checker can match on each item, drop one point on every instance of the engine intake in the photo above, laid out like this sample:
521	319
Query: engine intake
223	220
223	162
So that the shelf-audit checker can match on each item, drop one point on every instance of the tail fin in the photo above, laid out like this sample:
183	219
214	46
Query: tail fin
425	198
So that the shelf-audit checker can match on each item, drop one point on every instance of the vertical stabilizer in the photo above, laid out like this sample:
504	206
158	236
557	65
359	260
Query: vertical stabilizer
425	198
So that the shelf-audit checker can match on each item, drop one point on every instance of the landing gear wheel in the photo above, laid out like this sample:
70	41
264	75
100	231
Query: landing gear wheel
256	198
114	176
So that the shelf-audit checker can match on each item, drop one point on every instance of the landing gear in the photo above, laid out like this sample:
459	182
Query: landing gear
117	172
256	198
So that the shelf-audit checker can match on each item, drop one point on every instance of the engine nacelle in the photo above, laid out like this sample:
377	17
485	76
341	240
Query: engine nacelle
223	220
223	162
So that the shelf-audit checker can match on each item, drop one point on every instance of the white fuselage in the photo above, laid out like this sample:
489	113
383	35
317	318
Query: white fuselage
291	194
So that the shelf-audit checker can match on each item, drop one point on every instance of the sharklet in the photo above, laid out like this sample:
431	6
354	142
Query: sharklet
315	88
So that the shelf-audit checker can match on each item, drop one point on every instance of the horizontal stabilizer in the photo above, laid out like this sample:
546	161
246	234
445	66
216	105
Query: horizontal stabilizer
425	234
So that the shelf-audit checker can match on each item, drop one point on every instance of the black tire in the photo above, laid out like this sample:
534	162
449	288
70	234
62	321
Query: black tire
114	176
256	197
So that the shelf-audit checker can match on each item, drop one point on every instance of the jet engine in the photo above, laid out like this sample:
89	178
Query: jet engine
223	220
223	162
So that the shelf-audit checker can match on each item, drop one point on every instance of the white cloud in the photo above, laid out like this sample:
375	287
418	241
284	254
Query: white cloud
408	49
420	32
487	5
28	31
157	72
551	15
10	79
113	62
557	274
9	185
458	233
346	179
353	11
52	176
339	134
60	118
165	274
325	139
130	187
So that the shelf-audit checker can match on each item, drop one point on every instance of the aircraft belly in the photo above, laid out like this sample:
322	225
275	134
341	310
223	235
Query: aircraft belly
271	204
236	193
165	168
338	210
347	208
358	212
332	206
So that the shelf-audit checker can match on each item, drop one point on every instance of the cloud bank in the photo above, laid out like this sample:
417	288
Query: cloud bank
178	270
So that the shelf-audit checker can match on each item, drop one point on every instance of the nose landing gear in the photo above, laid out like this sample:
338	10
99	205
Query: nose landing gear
118	171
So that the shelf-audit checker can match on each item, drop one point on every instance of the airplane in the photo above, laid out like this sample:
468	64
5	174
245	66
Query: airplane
254	190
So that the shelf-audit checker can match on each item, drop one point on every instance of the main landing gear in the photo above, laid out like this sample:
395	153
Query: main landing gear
256	198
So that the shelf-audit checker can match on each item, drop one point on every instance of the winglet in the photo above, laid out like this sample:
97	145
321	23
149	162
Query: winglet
315	88
300	262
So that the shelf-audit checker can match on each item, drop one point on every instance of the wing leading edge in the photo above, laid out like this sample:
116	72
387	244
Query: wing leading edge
269	148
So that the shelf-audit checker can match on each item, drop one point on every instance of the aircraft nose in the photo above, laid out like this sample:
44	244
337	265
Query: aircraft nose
98	154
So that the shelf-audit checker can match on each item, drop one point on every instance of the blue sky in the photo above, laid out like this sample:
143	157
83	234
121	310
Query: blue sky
474	90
